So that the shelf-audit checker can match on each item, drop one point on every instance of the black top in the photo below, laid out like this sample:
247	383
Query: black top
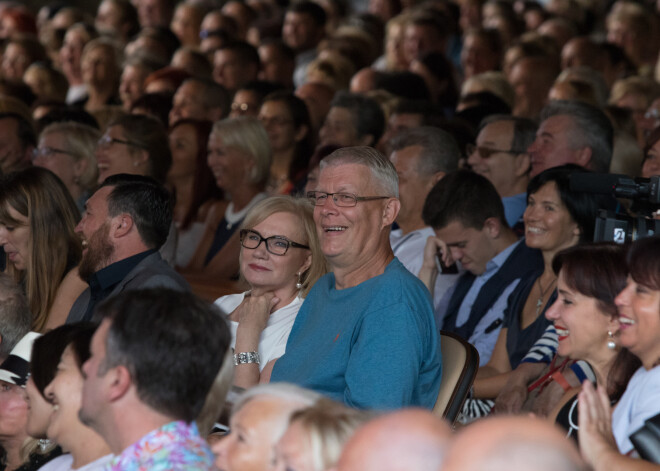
37	460
567	418
519	341
222	234
104	281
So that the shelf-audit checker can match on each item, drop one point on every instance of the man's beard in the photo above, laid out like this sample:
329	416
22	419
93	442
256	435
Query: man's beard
99	252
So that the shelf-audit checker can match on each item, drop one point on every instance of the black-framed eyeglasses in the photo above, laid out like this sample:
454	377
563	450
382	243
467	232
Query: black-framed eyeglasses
277	245
47	152
345	200
487	153
106	141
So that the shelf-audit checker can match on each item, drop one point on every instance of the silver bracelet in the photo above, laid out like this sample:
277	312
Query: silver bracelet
246	357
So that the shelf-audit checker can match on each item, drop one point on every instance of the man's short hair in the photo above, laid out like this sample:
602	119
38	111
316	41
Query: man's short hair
246	53
368	117
524	130
463	196
382	170
285	52
591	128
311	9
214	94
15	316
147	202
172	343
430	113
440	152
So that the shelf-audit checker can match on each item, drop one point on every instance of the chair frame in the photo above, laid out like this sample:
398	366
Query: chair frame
461	388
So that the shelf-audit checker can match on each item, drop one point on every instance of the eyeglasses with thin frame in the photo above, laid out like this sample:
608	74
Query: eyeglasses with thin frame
277	245
107	141
47	152
486	152
345	200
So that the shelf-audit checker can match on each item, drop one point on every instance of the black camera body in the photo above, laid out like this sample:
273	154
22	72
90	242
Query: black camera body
616	226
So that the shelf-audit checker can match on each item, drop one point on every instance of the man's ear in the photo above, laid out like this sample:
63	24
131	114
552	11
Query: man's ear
366	140
301	133
437	177
140	158
120	382
523	163
391	211
493	227
583	157
122	225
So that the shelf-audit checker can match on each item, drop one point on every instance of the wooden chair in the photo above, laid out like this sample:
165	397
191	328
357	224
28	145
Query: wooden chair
460	362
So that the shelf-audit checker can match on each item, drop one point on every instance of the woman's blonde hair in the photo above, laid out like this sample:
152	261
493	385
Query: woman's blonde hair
303	210
80	143
248	135
52	215
329	425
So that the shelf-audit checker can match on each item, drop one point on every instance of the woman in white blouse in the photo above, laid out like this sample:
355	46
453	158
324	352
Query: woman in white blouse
280	259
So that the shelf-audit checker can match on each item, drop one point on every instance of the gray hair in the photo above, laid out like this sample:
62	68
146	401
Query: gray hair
382	170
524	130
440	151
15	315
248	135
591	128
285	391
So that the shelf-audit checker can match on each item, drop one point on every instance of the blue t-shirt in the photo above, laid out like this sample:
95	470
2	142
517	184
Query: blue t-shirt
372	346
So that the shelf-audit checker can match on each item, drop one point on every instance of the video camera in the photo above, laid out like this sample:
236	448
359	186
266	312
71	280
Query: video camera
620	227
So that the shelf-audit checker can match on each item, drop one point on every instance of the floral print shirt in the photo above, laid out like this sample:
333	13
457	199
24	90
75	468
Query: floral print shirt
174	446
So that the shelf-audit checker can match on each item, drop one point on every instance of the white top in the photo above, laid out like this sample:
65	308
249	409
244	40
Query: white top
76	93
64	462
272	343
641	401
409	249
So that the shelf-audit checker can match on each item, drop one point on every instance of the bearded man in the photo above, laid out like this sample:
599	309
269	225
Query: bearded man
125	223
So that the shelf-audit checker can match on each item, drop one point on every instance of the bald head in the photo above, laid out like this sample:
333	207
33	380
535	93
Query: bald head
512	444
400	441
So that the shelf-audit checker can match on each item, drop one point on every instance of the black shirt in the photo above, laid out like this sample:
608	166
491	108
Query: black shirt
106	279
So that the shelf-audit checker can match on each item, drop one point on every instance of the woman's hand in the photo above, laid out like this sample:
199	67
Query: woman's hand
252	314
595	420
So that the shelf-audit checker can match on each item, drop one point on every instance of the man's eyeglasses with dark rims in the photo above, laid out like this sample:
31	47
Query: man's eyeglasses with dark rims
486	152
345	200
277	245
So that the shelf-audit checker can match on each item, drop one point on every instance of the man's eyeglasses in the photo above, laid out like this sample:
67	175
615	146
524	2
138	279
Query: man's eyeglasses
47	152
486	152
345	200
107	141
277	245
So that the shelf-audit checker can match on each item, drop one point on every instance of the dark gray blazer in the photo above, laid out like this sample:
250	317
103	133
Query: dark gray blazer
152	272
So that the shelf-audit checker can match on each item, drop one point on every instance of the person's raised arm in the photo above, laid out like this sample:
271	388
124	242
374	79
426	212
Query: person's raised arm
429	271
596	440
252	316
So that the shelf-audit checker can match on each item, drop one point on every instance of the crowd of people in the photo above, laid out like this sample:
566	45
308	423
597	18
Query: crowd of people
234	232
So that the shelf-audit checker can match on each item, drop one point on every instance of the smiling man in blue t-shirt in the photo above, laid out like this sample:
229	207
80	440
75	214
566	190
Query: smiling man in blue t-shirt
365	335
